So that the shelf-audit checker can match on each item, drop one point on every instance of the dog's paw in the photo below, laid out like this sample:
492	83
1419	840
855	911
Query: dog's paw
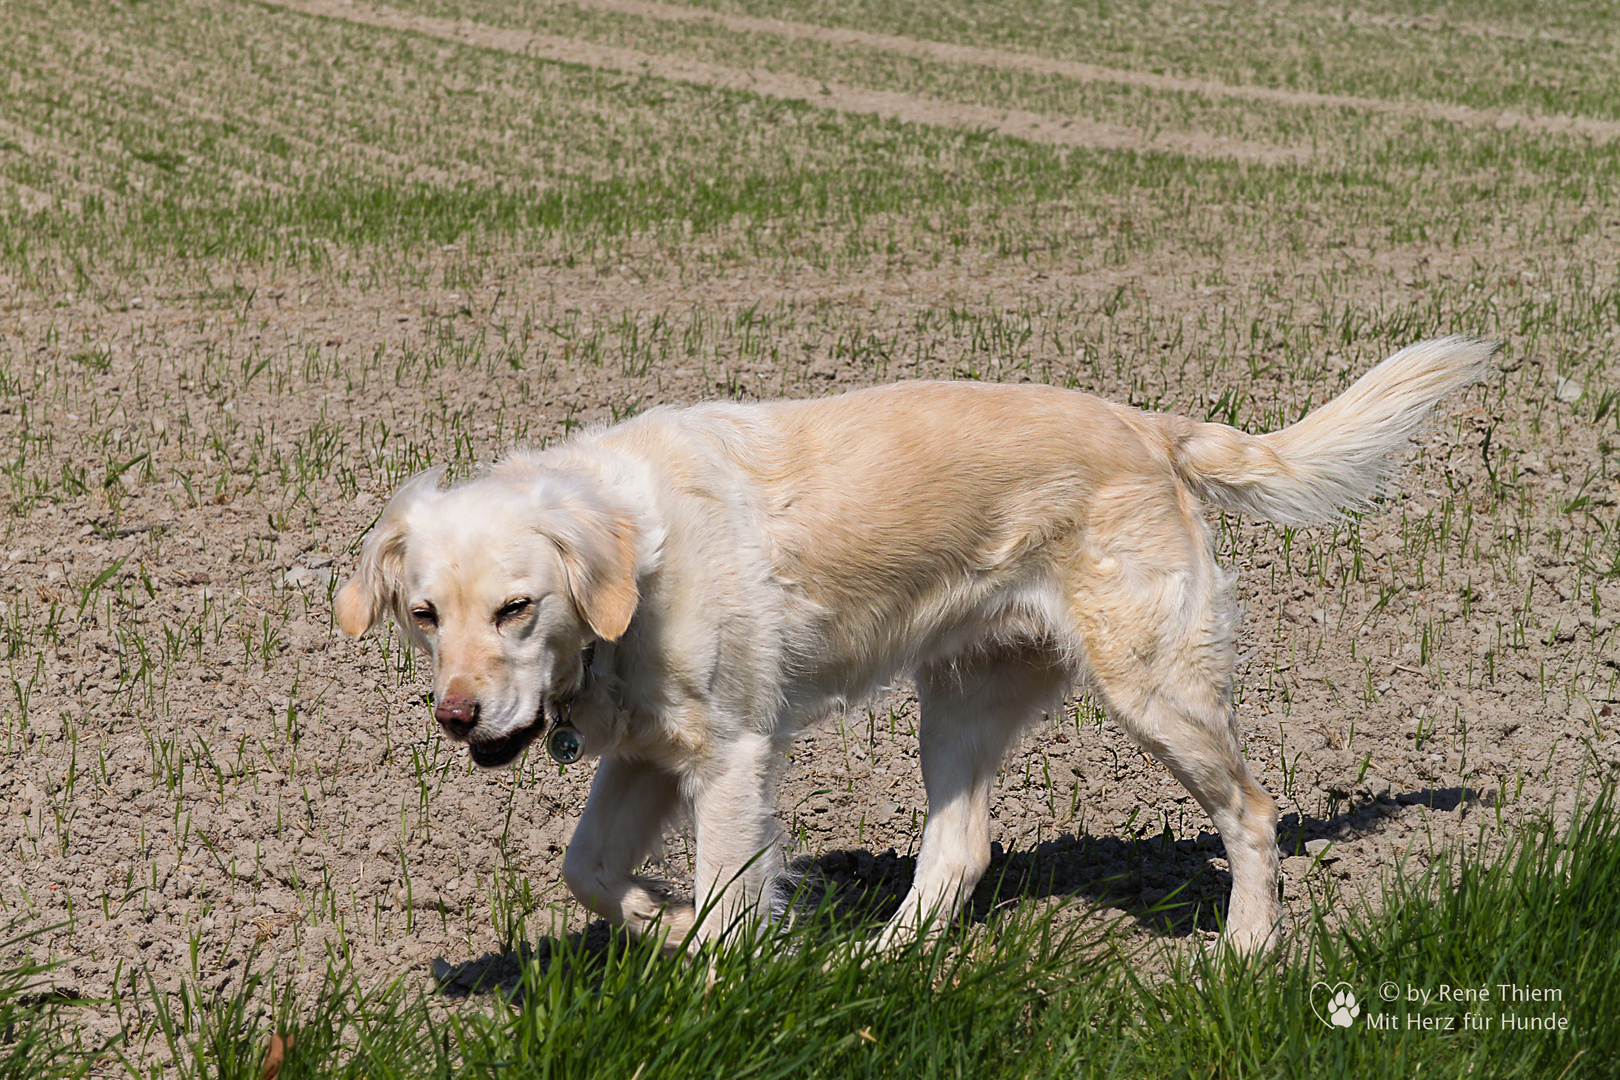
674	924
859	952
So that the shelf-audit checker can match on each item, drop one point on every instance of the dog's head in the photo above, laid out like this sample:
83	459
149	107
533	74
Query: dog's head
504	581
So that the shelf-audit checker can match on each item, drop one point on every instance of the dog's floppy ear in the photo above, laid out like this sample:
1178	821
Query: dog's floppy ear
598	545
377	581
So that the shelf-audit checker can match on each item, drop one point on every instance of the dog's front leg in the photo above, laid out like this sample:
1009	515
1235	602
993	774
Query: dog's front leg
738	861
972	709
631	802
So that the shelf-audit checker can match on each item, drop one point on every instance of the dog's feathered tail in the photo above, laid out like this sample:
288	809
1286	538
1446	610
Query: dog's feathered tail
1334	458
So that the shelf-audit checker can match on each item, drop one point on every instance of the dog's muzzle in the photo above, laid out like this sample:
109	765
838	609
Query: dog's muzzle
563	742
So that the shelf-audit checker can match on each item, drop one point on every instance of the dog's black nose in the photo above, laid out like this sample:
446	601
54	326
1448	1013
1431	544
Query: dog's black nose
457	715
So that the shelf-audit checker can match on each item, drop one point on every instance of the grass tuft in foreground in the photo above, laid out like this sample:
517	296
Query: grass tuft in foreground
1463	948
993	1001
1503	969
37	1041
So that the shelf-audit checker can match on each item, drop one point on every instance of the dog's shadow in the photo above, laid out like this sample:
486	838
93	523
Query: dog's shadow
1171	887
1165	886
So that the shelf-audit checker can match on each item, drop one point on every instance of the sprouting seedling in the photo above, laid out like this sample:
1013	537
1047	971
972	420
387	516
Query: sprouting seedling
100	579
115	472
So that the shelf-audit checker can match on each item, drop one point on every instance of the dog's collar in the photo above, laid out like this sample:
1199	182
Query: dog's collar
562	737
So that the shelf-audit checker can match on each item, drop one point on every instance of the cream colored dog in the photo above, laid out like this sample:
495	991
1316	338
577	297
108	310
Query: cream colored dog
681	593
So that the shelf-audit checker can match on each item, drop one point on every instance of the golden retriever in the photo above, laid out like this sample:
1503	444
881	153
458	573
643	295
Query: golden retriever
681	593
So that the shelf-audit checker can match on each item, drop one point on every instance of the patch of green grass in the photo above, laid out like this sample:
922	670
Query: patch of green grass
1019	998
347	1030
37	1037
943	1011
1541	921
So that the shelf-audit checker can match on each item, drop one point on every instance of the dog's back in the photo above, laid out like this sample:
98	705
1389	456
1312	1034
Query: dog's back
908	505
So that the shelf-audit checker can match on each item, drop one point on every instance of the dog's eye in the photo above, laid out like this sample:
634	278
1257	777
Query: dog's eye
426	616
512	609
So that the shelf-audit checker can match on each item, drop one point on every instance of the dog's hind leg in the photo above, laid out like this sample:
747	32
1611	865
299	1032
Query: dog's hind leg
972	709
1188	730
631	804
1158	639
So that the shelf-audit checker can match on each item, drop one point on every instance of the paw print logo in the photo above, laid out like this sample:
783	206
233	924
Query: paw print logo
1335	1006
1342	1008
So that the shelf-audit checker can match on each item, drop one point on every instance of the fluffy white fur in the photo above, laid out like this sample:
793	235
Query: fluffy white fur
746	569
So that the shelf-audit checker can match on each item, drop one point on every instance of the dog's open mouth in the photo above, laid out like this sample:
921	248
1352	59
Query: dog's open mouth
504	750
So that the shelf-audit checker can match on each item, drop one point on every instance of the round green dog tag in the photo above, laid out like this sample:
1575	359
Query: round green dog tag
563	745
